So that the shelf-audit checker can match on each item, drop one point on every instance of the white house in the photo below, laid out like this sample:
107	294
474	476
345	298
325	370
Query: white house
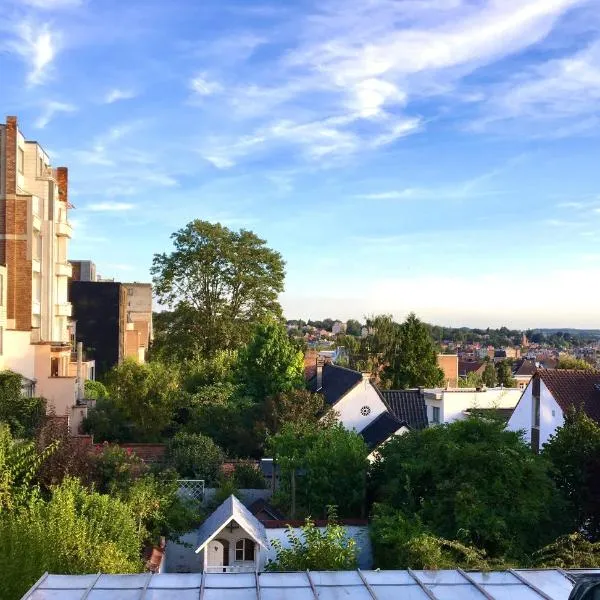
549	395
448	405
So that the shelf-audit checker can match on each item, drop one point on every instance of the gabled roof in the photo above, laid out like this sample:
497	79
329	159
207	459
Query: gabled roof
525	368
261	505
572	388
231	510
407	406
337	382
380	429
468	366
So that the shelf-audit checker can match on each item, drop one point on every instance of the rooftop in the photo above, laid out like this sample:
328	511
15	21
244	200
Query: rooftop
380	429
337	382
546	584
407	406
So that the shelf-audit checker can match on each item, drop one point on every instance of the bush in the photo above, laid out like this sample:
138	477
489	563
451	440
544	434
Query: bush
195	456
248	476
22	414
116	469
94	390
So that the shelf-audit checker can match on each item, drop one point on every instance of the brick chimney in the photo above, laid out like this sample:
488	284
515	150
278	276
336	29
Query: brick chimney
320	363
62	177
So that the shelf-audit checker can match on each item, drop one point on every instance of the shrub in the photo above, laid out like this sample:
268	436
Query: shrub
195	456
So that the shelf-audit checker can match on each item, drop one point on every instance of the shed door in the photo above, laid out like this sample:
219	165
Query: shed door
218	553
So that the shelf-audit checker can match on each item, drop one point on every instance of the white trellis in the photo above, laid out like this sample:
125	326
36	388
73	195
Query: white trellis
192	488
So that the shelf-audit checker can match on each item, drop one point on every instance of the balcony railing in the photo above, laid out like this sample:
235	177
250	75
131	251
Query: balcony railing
63	229
47	173
64	309
64	269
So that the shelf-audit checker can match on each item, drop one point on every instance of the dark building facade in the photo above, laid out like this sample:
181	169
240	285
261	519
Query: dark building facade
100	312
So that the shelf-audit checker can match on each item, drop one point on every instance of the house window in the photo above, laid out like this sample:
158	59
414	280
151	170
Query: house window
244	550
535	421
54	367
20	160
436	414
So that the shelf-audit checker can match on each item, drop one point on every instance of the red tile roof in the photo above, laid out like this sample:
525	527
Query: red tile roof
572	388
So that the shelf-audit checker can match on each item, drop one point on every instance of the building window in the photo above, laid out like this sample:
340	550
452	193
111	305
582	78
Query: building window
54	367
365	411
244	550
535	421
436	414
20	160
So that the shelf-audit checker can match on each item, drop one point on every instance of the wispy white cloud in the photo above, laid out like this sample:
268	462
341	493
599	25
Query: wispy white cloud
110	206
117	94
52	4
203	86
50	109
37	45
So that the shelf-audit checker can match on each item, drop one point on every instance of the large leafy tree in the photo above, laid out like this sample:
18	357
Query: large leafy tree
574	452
295	406
145	395
320	465
473	482
412	357
196	456
218	283
23	415
570	362
270	363
504	374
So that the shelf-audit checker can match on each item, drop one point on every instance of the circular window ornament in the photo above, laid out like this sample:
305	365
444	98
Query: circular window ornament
365	411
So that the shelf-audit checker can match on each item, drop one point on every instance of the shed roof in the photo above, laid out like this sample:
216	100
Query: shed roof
546	584
231	510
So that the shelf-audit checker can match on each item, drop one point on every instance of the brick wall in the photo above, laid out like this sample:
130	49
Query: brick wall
62	178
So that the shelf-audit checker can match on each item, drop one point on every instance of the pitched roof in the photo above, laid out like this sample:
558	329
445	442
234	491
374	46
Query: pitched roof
337	382
261	505
231	510
407	406
572	388
501	413
525	367
468	366
380	429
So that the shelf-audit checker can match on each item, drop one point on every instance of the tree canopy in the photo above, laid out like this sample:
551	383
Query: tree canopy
219	283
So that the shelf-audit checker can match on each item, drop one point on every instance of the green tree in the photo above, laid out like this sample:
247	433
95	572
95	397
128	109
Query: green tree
74	532
472	380
574	452
504	374
144	393
473	482
107	422
489	376
320	466
95	390
313	549
401	542
23	415
570	362
219	283
353	327
412	358
295	406
571	551
195	456
270	363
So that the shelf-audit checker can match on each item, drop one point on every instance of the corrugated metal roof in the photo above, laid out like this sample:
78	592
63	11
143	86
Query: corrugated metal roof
520	584
231	510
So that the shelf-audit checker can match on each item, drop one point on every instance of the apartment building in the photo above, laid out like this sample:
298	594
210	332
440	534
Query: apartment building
139	319
34	237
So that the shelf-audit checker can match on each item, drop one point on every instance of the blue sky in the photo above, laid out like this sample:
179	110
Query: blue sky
439	156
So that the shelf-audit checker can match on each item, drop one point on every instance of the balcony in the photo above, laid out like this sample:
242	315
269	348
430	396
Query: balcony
63	229
64	270
47	173
36	265
63	309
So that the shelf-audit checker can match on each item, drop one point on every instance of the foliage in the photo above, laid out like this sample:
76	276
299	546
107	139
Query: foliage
226	487
144	393
326	465
95	390
108	423
75	532
400	543
19	464
116	469
412	359
212	370
574	452
473	482
311	548
23	415
571	551
195	456
504	374
296	406
353	327
472	380
270	363
570	362
219	283
489	376
248	476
